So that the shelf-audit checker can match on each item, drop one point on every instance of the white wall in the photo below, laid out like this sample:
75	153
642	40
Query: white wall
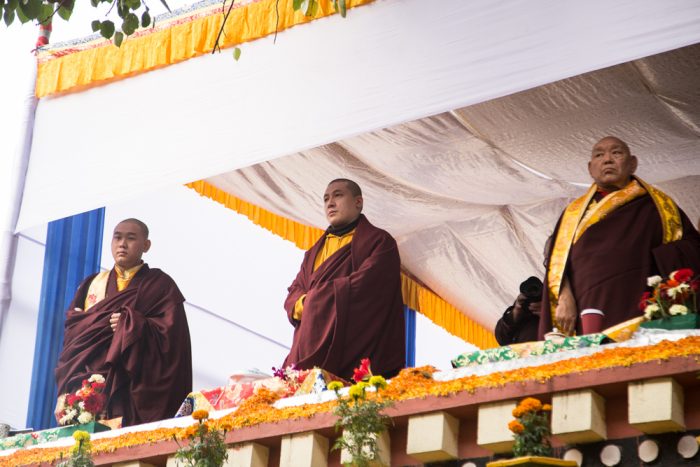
18	333
223	264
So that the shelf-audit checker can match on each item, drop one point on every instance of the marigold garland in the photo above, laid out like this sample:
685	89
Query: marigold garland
411	383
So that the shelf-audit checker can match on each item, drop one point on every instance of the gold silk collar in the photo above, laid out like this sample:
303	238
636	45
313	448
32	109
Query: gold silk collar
580	215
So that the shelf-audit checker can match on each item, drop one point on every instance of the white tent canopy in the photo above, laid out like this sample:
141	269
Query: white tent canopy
407	98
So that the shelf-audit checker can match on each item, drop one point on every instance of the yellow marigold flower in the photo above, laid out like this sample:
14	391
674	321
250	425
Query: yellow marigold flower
356	391
335	385
516	427
547	408
378	382
518	412
200	414
80	435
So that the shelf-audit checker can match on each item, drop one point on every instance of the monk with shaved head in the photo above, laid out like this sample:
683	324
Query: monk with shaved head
128	325
609	241
345	304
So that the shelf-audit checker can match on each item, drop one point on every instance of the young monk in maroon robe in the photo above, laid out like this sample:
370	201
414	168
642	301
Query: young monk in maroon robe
609	241
129	325
345	304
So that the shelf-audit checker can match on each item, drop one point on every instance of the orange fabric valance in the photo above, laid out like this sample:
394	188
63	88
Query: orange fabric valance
415	295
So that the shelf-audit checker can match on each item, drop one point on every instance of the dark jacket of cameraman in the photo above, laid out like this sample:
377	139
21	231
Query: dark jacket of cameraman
508	331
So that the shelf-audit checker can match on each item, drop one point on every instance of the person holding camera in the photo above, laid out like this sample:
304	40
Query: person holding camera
520	321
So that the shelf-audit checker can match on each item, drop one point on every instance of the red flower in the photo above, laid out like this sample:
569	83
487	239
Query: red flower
98	387
72	399
94	402
695	285
682	275
363	371
643	302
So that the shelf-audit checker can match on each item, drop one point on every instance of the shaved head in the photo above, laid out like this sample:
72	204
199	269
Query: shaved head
352	186
142	225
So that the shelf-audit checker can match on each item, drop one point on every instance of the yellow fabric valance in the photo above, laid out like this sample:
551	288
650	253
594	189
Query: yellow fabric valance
415	295
76	67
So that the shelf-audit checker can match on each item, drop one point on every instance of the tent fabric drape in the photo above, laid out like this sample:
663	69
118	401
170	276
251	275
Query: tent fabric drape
73	251
415	295
190	34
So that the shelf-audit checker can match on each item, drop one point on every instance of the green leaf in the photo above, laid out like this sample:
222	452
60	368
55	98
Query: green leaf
21	16
9	16
130	24
343	8
312	9
107	29
12	4
95	25
145	19
118	38
94	3
296	4
133	4
31	8
46	12
236	53
66	9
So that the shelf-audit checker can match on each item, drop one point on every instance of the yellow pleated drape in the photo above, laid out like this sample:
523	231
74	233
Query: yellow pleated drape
415	295
74	68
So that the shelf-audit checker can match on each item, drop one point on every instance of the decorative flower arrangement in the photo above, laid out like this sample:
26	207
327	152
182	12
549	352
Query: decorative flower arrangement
81	452
531	428
360	417
206	447
293	376
675	296
411	383
85	404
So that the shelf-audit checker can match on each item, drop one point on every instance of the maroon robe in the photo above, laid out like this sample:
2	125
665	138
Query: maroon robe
353	307
608	266
147	361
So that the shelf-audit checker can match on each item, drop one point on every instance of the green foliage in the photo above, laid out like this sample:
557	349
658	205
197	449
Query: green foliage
362	422
236	53
206	448
81	452
133	14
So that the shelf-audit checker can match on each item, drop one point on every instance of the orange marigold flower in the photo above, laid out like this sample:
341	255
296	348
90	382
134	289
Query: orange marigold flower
200	414
530	404
516	427
547	407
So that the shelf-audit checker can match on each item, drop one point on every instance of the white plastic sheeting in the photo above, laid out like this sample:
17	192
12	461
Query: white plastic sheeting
472	194
471	190
389	62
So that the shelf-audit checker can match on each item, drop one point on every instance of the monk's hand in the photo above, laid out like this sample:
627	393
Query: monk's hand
60	406
566	312
113	320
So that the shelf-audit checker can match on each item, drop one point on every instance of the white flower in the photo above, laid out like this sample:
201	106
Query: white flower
96	378
85	417
653	281
81	404
678	310
673	291
651	310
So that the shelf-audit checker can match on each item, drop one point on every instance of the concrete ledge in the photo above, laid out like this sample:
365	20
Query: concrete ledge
304	450
433	437
492	429
656	405
578	416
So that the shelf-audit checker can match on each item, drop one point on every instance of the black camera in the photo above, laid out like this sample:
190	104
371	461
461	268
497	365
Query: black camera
532	289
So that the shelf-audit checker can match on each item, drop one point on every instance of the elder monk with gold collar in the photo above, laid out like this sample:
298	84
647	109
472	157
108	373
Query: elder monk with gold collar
345	304
128	324
609	241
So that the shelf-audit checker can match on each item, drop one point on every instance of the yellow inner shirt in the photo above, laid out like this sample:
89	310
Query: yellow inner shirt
332	244
98	287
